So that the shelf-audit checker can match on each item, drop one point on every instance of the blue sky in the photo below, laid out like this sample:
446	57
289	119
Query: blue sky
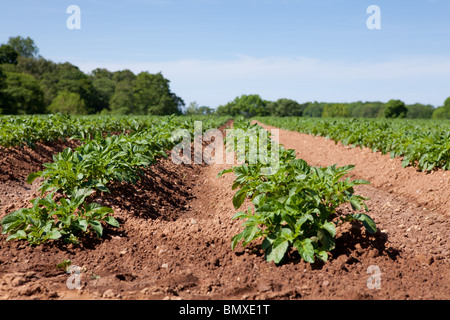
215	50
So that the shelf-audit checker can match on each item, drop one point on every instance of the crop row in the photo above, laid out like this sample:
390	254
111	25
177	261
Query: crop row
424	144
293	205
29	129
62	210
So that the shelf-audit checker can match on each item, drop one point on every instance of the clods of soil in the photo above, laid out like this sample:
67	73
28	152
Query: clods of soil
175	231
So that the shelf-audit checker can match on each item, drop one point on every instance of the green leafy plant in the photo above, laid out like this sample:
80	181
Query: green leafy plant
76	174
65	219
424	144
64	265
296	207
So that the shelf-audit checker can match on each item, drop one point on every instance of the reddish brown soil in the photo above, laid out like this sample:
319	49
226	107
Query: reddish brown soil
425	189
174	242
15	166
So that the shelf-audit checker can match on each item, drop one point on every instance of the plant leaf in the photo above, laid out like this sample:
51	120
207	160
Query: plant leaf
97	227
33	176
235	240
322	255
306	249
112	221
224	172
330	227
326	239
18	235
276	251
239	198
368	223
54	234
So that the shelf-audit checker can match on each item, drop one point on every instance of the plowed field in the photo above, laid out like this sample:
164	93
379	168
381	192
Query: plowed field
175	231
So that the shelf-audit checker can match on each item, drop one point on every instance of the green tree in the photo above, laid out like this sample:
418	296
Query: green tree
43	70
205	110
68	77
102	73
25	47
246	105
22	95
2	79
122	101
395	109
335	110
104	87
8	54
366	109
123	75
192	109
68	103
419	111
442	112
152	95
2	86
37	67
195	109
313	109
286	108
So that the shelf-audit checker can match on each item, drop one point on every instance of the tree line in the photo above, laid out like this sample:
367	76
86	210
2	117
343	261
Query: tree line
253	105
31	84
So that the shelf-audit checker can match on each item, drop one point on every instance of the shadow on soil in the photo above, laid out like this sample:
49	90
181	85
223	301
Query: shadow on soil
351	244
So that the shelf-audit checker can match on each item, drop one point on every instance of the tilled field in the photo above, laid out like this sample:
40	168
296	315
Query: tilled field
176	227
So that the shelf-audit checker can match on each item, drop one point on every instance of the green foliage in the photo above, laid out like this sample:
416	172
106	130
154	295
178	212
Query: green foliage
419	111
22	95
25	47
27	130
70	78
313	110
100	160
443	112
101	91
286	108
68	103
152	95
74	175
424	144
2	80
64	265
104	86
335	110
44	71
8	54
123	75
122	101
195	109
3	98
366	109
245	105
294	208
359	109
395	109
52	220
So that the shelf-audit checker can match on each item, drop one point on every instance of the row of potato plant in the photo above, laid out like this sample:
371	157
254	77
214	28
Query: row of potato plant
27	130
295	207
424	144
75	174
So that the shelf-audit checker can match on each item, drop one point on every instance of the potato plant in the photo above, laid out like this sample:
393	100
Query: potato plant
296	207
65	219
76	174
424	144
